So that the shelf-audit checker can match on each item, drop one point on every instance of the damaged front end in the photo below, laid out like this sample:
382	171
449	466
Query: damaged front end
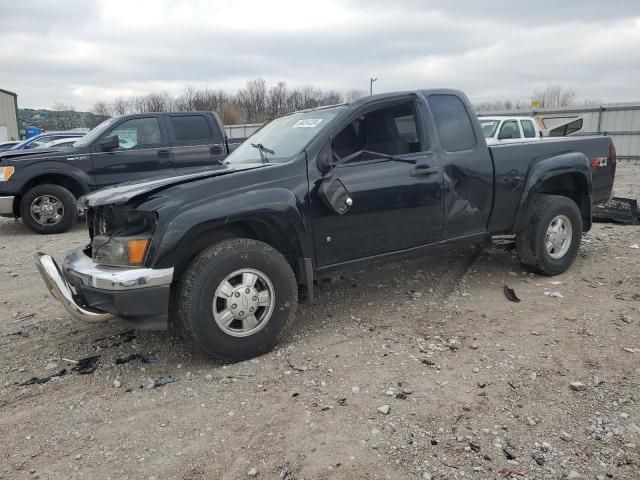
108	278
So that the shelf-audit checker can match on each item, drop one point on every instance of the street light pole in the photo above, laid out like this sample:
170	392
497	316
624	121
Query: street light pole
371	80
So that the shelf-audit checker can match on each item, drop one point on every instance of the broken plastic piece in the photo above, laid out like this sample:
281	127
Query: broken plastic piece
87	365
511	294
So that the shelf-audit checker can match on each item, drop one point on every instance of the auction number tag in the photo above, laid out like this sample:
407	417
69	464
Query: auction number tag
308	123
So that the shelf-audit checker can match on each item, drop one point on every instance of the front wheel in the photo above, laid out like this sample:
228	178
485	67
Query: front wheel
48	209
237	299
549	243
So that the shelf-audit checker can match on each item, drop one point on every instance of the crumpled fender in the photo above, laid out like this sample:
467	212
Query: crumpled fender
277	207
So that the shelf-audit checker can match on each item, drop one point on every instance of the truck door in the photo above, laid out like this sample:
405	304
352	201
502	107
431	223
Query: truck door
143	152
468	168
397	203
192	142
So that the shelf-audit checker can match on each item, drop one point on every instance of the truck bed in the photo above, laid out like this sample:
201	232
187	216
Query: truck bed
511	175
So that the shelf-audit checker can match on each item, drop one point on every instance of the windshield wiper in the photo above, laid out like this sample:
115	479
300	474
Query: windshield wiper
263	151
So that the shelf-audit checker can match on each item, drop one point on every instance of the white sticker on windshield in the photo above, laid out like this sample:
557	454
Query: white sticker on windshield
308	123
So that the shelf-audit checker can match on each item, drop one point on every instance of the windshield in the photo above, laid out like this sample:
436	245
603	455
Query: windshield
95	133
489	127
283	138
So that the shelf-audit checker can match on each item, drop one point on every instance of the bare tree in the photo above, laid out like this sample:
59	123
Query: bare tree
277	100
121	106
254	103
230	114
554	96
355	94
101	109
253	100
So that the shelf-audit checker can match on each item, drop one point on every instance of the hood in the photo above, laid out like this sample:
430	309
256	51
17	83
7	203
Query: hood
124	192
39	153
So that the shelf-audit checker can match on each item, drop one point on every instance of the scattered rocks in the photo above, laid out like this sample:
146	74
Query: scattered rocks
117	383
626	318
539	458
253	472
509	455
577	386
573	475
384	409
565	436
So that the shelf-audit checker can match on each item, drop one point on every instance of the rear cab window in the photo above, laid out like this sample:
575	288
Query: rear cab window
528	129
453	124
190	129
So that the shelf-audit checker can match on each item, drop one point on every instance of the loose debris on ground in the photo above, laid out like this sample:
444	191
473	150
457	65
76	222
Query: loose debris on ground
426	370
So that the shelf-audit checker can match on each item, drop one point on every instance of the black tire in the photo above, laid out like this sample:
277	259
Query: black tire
531	242
209	269
66	199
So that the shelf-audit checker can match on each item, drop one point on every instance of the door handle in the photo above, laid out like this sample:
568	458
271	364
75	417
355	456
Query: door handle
217	149
423	171
164	153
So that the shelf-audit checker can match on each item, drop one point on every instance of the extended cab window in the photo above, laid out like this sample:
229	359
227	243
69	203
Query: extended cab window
388	131
188	128
453	123
528	129
510	129
138	132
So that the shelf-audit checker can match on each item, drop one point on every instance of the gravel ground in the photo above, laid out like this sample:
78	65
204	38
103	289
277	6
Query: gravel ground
418	369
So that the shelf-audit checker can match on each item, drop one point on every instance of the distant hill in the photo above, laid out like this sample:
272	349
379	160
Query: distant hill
57	119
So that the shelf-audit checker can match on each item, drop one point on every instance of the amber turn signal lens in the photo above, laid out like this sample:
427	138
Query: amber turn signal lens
7	172
137	249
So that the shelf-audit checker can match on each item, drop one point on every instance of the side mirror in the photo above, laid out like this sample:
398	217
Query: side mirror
324	161
110	142
335	195
504	135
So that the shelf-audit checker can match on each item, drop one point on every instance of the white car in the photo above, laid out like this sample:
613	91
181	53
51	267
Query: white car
61	143
499	130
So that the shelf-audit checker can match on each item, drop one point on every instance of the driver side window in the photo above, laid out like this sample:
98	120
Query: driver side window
386	131
138	132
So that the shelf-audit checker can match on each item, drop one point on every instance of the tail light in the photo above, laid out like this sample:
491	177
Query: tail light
612	159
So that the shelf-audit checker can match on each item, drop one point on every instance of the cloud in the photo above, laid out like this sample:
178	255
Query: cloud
78	52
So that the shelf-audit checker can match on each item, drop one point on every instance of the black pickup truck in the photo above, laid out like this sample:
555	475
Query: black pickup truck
317	192
42	185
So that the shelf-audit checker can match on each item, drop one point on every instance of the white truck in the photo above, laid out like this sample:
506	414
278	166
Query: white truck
512	129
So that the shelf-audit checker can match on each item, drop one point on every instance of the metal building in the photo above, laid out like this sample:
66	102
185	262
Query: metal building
8	115
619	120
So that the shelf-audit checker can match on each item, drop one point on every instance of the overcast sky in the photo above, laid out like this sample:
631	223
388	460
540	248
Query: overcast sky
80	51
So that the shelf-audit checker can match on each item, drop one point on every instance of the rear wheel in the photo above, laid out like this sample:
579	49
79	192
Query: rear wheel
237	299
48	209
549	243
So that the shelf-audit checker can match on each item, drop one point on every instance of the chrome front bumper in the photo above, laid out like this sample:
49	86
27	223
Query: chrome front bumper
81	273
6	206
